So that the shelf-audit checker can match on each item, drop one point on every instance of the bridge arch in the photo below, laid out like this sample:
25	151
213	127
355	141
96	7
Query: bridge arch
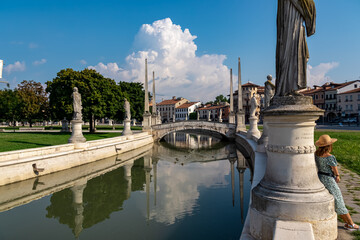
226	130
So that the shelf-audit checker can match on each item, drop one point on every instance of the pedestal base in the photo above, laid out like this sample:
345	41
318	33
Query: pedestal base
240	122
127	128
232	118
76	134
253	131
291	190
146	121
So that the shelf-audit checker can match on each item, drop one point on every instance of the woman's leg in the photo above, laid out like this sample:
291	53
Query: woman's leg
347	219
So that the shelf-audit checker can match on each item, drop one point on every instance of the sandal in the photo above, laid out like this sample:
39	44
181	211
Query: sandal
350	227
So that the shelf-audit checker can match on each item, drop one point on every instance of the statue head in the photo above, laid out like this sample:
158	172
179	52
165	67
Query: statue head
75	89
269	77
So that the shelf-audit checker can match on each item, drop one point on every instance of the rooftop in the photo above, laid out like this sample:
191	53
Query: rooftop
187	105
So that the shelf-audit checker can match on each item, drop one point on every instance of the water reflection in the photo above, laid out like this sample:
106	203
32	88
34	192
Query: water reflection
157	192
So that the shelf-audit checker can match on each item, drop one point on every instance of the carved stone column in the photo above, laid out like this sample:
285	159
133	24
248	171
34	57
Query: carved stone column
240	115
231	114
291	190
146	116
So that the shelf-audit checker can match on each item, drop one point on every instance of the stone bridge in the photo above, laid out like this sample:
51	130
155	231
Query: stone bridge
226	130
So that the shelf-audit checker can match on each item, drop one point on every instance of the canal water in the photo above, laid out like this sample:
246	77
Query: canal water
186	187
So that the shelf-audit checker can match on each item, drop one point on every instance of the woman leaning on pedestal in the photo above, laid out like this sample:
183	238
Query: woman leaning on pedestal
329	176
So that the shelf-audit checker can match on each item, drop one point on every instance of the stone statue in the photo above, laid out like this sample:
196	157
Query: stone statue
77	104
253	106
127	110
291	49
269	91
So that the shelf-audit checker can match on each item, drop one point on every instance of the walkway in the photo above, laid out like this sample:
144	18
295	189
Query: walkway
350	187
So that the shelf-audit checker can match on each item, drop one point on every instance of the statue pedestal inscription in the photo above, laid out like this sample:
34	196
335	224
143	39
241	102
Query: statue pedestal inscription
76	134
291	190
127	128
253	131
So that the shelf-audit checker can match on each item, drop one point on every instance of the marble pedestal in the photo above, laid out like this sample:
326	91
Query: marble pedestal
232	117
76	135
240	122
154	119
127	128
146	121
291	190
253	130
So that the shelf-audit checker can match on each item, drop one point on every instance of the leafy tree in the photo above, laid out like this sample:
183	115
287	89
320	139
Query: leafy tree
101	97
221	98
193	116
33	101
134	92
9	107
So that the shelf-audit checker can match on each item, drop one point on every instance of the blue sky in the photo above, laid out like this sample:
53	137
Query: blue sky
39	38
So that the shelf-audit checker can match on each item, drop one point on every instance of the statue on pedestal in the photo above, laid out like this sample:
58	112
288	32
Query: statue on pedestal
77	104
291	49
127	110
269	91
253	106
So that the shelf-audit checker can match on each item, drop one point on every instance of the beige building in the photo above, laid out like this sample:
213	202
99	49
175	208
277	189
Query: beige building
167	108
349	104
247	90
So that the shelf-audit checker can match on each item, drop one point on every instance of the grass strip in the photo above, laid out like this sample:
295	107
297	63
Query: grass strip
17	141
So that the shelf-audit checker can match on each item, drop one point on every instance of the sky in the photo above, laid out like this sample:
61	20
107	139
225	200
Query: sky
191	45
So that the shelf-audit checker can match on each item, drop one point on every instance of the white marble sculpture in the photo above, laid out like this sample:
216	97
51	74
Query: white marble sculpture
77	104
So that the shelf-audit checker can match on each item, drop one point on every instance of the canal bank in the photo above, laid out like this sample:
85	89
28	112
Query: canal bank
30	163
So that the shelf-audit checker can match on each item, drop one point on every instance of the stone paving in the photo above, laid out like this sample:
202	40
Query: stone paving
350	188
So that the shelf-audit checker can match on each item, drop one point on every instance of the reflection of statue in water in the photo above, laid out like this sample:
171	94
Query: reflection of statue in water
253	106
77	104
291	49
269	91
127	110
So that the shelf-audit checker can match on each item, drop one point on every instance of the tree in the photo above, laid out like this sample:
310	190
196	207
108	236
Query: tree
134	92
220	99
9	107
101	97
33	101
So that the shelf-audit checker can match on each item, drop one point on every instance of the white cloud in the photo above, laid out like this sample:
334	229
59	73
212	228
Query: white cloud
15	67
171	53
39	62
83	62
317	75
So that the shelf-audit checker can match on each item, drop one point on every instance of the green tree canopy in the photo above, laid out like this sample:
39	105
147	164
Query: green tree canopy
9	107
101	97
33	101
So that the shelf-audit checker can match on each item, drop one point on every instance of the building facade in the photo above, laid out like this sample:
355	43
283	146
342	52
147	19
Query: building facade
183	111
167	108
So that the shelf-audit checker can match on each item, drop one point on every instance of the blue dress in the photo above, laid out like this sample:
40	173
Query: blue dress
324	164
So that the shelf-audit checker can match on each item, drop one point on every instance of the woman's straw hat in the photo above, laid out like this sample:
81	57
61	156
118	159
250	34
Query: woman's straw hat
325	140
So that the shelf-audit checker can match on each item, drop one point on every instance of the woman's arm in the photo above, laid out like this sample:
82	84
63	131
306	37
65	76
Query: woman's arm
336	173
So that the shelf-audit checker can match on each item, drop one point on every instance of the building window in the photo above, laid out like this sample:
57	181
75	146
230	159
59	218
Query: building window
346	107
359	107
322	96
316	96
355	85
350	98
351	108
346	98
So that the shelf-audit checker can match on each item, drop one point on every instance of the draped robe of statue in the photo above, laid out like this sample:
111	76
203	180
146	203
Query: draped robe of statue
291	49
253	106
77	104
127	110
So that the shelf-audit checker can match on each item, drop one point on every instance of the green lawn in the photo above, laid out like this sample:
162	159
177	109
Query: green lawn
346	149
16	141
84	127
